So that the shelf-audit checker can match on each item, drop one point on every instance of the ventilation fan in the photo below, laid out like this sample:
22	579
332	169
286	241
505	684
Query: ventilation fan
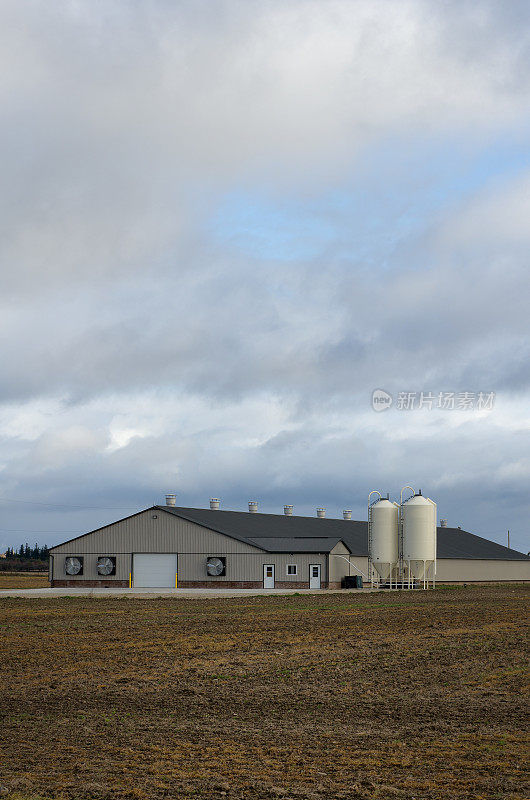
73	565
106	565
216	566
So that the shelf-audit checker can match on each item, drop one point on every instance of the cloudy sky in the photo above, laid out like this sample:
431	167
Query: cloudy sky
224	224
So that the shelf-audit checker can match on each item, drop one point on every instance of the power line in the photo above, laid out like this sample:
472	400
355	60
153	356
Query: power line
67	505
26	530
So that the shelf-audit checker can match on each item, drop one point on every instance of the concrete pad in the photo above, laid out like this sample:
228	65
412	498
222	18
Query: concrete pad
177	594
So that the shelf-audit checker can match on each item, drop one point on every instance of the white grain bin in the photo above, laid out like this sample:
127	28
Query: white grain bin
253	506
321	513
288	511
214	503
419	536
346	514
384	550
171	499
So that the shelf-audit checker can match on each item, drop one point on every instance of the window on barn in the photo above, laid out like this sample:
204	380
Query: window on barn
292	569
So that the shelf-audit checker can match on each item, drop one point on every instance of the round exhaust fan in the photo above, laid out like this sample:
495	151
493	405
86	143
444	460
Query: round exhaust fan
106	565
73	565
216	566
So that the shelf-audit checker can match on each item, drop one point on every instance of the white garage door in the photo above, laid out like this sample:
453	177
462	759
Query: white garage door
154	569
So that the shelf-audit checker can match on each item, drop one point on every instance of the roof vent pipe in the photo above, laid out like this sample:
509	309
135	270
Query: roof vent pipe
288	511
346	513
443	523
171	499
252	507
214	503
321	513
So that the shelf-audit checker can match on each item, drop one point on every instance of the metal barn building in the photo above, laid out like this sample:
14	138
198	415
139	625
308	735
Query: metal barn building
168	546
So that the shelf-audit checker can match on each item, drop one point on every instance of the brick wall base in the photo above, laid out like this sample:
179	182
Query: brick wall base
220	584
82	584
115	584
243	585
291	585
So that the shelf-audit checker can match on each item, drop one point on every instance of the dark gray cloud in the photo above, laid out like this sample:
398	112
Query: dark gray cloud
153	341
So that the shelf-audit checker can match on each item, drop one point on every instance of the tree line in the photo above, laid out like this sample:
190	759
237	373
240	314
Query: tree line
27	553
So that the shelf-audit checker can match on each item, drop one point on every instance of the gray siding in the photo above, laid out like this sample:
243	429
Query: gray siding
90	573
302	561
143	534
463	569
193	543
249	566
191	566
339	568
449	569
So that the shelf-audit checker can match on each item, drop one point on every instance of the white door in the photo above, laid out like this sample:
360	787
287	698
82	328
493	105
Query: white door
157	570
268	576
314	576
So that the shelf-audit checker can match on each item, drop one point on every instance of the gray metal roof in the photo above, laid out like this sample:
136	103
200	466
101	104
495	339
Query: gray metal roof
456	543
278	533
297	544
266	531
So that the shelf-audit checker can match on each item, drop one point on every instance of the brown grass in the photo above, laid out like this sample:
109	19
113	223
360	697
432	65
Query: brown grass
24	580
405	695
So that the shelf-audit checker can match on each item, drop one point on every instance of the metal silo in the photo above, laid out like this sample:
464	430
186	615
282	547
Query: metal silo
383	549
418	542
384	537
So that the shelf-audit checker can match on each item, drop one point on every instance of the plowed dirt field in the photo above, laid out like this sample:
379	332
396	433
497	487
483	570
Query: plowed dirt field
402	695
